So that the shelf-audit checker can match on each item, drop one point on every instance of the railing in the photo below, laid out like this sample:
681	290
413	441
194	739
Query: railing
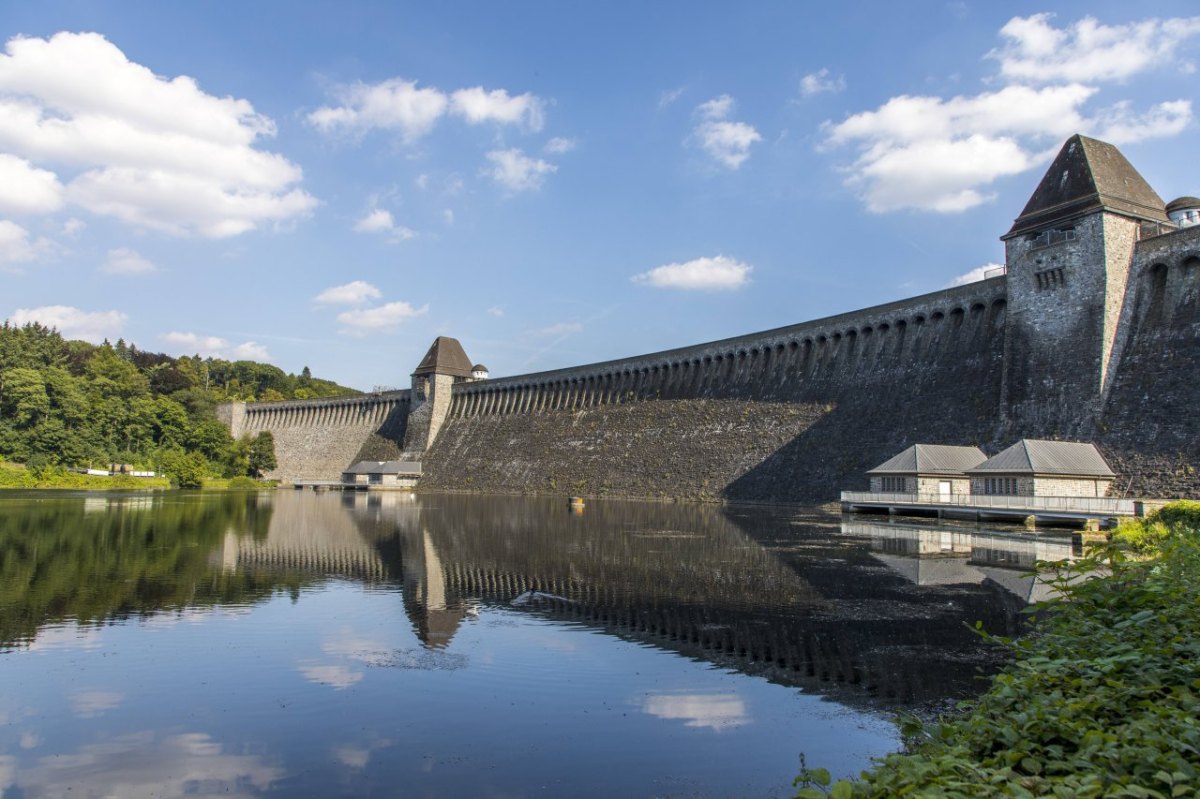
996	271
1098	505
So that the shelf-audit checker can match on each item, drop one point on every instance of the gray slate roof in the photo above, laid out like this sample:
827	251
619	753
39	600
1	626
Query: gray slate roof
445	357
932	459
1179	203
362	467
1061	458
1088	176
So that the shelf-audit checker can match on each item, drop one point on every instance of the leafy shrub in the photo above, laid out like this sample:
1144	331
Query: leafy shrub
1147	536
244	484
1101	699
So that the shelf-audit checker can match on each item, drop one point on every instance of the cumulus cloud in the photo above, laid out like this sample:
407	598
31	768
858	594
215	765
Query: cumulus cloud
1088	50
154	152
400	105
516	171
668	97
495	311
25	189
938	154
15	246
381	221
726	141
93	326
558	145
477	105
381	318
820	82
710	274
124	261
216	347
976	274
356	292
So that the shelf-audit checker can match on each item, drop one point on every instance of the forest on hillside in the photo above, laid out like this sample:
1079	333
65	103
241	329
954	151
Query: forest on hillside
75	404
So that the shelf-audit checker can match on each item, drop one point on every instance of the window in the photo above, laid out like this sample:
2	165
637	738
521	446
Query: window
893	484
1049	278
1048	238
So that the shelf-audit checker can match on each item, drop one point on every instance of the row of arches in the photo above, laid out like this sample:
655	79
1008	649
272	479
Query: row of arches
323	413
1170	284
751	369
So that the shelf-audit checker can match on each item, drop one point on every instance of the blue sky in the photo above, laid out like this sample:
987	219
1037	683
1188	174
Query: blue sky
334	185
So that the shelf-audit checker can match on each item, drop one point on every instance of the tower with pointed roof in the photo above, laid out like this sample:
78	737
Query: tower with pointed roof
445	364
1068	256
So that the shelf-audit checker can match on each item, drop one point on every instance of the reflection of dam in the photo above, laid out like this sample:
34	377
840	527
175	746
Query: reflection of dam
687	578
950	556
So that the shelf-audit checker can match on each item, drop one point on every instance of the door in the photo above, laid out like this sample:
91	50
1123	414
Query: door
944	487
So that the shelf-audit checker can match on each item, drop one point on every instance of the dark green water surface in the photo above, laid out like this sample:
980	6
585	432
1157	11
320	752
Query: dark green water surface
300	644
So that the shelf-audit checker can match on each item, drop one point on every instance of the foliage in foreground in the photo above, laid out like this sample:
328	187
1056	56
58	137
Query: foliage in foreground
12	476
1102	699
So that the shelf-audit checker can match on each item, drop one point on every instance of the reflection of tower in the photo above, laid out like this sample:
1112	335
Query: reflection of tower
425	592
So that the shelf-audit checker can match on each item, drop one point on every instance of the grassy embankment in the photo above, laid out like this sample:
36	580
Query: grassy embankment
13	475
1101	699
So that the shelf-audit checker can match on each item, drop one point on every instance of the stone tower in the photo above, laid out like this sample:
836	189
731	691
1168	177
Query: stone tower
445	364
1068	256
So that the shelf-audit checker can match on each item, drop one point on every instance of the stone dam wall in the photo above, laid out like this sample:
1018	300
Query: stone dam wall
794	414
787	415
317	439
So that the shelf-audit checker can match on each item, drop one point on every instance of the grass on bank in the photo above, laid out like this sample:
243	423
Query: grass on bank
1101	699
14	475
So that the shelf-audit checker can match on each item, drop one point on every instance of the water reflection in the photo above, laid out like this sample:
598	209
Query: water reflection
341	644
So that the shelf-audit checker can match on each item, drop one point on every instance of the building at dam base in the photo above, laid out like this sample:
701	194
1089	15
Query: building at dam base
1092	334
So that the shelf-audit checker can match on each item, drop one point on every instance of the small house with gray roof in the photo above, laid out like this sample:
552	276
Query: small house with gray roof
926	469
383	474
1034	468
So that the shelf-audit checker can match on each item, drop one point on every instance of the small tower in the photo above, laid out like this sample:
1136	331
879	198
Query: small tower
1068	256
443	365
1184	211
479	372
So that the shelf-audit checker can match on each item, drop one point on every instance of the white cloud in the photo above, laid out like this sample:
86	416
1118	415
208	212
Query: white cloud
380	318
154	152
216	347
421	181
725	141
448	216
558	145
15	246
670	96
380	221
975	275
518	172
73	226
1087	50
25	189
477	105
821	81
711	274
715	712
559	329
495	311
72	323
355	292
939	154
394	104
124	261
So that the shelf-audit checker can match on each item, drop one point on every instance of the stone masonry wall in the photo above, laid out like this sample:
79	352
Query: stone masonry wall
317	439
1150	428
793	414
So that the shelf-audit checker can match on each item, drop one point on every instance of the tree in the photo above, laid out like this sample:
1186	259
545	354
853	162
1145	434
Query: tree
262	454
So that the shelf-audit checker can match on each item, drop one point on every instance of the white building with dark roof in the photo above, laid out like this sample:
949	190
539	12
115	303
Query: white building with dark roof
1035	468
936	469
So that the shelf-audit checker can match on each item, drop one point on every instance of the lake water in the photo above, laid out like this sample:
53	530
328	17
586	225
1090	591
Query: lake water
300	644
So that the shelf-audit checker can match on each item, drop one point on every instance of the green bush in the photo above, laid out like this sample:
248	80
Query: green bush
244	484
1147	536
1102	699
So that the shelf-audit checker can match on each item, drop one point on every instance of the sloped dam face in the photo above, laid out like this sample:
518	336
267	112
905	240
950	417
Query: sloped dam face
288	643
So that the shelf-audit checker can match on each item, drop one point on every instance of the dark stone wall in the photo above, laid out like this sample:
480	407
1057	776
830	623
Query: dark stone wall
791	415
1150	427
